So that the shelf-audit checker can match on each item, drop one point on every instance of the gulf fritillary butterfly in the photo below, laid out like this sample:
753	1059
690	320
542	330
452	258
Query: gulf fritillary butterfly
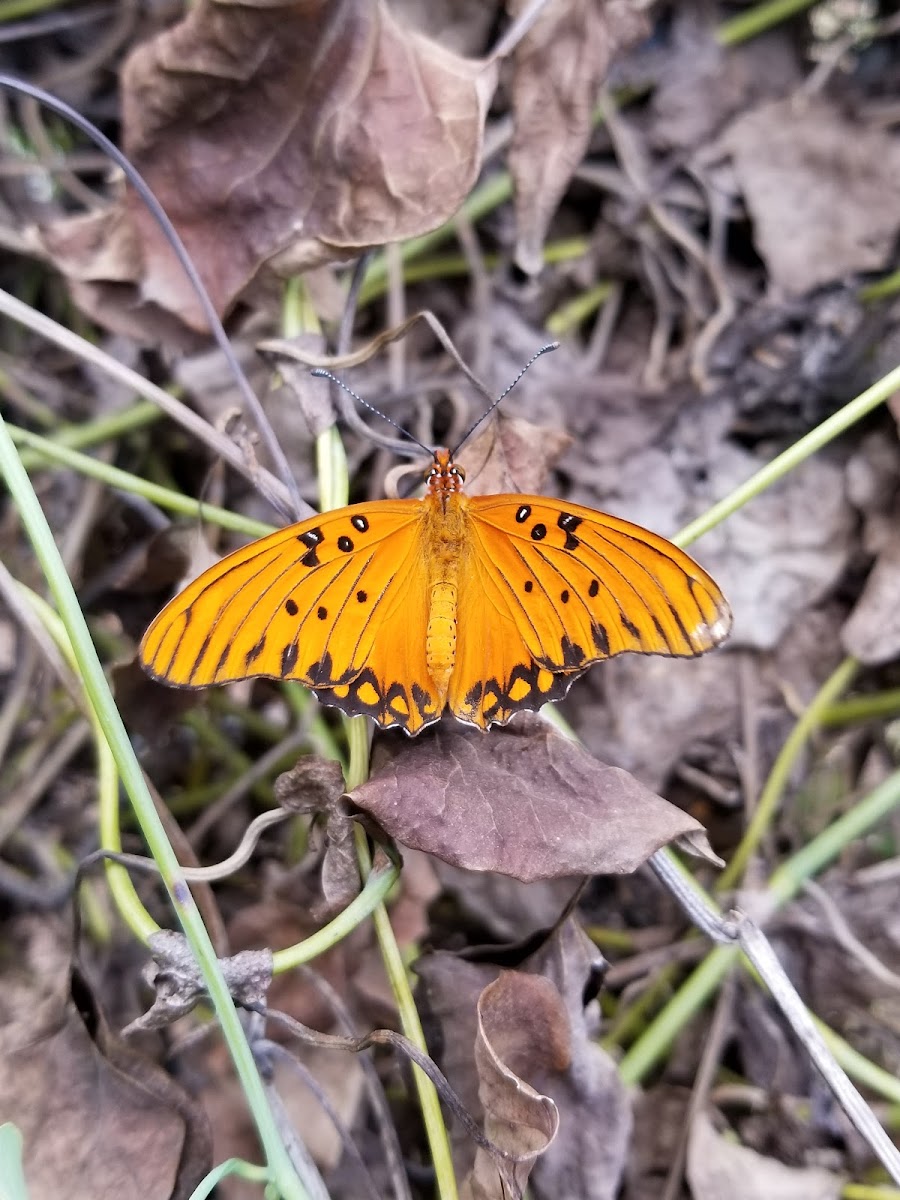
398	609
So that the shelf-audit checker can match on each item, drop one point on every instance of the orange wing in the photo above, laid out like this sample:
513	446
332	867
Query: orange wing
547	588
338	602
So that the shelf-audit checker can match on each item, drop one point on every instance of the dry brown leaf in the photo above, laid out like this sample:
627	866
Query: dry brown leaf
872	632
100	255
523	801
587	1157
559	66
820	188
522	1033
316	785
718	1167
292	134
512	455
98	1119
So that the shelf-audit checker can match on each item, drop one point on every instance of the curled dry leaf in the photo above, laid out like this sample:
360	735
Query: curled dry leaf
587	1157
316	785
718	1167
522	1031
524	801
559	67
179	986
281	133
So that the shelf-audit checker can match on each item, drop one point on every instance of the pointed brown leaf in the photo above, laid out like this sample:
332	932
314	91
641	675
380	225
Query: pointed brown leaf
521	800
559	67
294	131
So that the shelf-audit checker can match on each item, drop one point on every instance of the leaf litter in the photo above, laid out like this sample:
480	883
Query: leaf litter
738	200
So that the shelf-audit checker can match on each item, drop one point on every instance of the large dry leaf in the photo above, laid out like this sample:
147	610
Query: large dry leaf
294	131
522	1033
559	66
98	1119
821	190
587	1156
522	800
717	1167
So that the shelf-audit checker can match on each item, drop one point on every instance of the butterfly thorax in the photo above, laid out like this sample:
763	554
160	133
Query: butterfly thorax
445	538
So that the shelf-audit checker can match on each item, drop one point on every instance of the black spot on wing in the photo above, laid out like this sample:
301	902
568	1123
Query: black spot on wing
568	523
629	627
572	654
358	521
523	513
311	539
473	695
529	585
322	612
362	596
601	638
594	588
538	532
254	652
289	658
662	633
345	544
321	671
290	607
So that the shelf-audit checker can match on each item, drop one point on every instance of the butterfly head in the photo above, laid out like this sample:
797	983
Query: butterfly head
444	476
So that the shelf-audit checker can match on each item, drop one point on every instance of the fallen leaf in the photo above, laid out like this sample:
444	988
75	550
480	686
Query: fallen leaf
522	1032
297	153
587	1156
872	631
512	455
778	556
701	83
316	785
717	1167
524	801
820	189
90	1108
558	68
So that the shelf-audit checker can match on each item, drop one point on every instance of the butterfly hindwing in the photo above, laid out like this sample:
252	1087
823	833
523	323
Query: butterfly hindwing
550	588
337	602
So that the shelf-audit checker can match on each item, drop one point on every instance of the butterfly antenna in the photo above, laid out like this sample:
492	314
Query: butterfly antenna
504	393
323	374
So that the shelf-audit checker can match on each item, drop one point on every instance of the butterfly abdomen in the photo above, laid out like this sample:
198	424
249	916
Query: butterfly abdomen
440	639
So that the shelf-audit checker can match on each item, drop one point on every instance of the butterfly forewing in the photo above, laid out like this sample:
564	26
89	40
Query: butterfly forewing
552	588
322	602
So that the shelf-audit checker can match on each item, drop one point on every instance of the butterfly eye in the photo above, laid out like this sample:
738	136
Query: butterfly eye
458	472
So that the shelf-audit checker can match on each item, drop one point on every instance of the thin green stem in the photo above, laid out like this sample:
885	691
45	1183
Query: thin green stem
114	477
873	706
378	884
801	450
770	797
783	886
757	20
97	689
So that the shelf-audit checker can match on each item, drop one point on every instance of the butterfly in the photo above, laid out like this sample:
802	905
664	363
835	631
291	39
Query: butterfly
400	609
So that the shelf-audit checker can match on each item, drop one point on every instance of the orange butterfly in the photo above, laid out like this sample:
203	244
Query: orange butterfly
398	609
